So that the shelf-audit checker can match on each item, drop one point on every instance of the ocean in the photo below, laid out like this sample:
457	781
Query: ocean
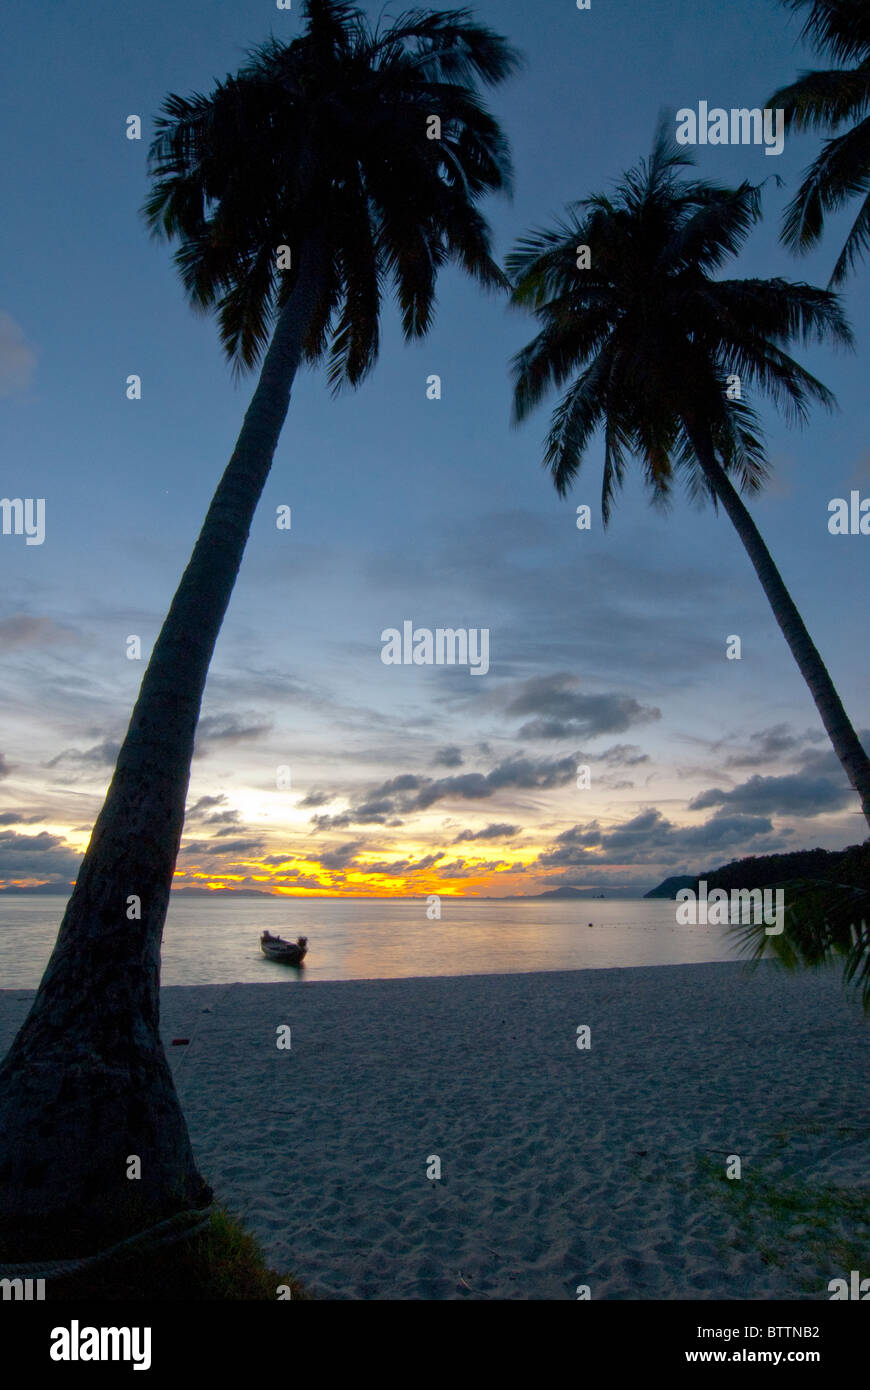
216	940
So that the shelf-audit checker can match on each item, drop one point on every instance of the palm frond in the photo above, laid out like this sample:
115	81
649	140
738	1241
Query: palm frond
575	420
823	100
781	310
740	447
616	446
449	46
766	367
543	264
354	347
572	334
823	923
857	242
838	27
717	229
840	172
245	313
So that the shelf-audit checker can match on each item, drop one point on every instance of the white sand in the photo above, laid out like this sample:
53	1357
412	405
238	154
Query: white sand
560	1167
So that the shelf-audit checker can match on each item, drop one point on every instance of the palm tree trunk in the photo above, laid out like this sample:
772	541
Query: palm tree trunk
846	743
86	1086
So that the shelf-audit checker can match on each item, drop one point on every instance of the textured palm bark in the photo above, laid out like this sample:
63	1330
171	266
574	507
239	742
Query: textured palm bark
86	1083
845	741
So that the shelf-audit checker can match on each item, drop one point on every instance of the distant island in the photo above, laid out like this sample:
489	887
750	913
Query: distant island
672	886
847	866
566	892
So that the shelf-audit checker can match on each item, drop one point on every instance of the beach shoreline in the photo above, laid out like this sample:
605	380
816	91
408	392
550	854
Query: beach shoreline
561	1166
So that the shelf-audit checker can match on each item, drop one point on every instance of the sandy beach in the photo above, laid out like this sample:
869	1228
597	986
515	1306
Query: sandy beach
560	1167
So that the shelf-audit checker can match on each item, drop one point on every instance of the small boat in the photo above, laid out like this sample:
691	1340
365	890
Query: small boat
289	952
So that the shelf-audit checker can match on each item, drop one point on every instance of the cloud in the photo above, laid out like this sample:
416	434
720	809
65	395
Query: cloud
520	772
562	711
341	856
650	838
766	745
253	845
494	831
521	559
204	803
25	630
103	754
316	798
374	812
402	867
5	769
31	844
228	728
17	357
193	849
620	755
40	856
214	813
621	883
229	817
725	832
797	794
448	757
306	881
410	792
460	869
823	762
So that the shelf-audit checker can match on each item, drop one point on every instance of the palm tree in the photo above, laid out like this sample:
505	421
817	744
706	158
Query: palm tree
325	146
650	339
824	101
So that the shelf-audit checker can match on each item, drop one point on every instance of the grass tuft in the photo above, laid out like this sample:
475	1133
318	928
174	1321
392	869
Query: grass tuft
805	1224
221	1262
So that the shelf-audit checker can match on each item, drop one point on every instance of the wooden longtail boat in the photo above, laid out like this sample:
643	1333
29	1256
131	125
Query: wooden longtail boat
290	952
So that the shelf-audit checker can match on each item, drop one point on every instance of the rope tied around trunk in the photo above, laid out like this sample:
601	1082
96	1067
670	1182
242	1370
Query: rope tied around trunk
174	1228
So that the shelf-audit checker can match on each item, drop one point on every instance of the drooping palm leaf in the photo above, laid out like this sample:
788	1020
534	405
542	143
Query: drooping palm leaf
826	100
824	923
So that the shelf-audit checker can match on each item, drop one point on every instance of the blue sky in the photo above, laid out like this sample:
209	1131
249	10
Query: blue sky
403	508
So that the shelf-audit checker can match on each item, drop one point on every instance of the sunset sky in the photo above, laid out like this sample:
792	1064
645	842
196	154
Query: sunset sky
606	649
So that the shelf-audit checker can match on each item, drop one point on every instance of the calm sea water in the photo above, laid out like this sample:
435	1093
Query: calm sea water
216	941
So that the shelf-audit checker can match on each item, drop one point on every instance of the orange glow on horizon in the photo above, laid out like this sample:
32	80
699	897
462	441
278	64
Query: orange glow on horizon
500	873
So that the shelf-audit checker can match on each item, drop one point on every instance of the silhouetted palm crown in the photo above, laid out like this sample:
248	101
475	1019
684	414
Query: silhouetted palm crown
654	337
324	142
826	100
